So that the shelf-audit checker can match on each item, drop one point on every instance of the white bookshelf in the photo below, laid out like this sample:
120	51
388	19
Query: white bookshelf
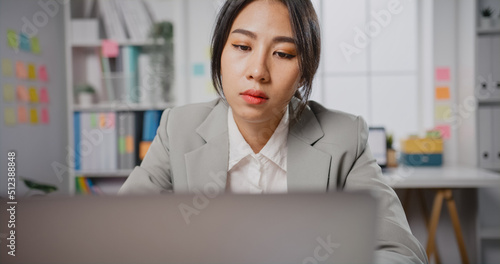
78	51
488	73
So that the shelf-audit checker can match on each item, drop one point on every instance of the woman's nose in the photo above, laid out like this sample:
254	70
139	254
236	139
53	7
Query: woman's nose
258	69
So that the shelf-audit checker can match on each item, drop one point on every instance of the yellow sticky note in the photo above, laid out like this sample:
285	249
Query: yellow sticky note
31	71
209	88
443	113
22	114
8	93
35	45
33	95
33	116
9	116
7	69
208	52
442	93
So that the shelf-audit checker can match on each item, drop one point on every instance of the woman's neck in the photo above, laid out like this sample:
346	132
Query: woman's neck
258	134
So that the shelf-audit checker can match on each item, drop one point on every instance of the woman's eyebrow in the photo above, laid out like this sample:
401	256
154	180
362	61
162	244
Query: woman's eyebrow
252	35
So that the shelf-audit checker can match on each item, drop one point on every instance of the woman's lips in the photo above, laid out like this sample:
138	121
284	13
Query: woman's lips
254	97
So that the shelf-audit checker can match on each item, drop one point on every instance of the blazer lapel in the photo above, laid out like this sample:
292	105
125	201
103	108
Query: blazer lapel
206	167
308	168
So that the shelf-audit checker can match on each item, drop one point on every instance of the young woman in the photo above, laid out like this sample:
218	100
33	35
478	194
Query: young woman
263	135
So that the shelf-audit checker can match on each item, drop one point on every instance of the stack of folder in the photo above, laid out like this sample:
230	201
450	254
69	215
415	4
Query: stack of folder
422	151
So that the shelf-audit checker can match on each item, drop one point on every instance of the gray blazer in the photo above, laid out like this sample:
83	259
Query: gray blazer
327	151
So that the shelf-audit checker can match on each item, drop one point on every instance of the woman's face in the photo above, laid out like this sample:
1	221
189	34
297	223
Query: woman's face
259	63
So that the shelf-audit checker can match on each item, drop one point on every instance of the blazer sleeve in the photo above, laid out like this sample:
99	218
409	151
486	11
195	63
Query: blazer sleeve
154	175
395	242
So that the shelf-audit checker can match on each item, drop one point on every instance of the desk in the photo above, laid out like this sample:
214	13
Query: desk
442	180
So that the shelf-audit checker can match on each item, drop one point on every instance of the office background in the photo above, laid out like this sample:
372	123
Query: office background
382	59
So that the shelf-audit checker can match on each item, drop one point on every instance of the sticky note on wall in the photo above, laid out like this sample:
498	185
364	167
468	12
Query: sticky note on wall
45	116
33	116
44	95
22	94
109	48
8	93
24	42
443	113
443	93
12	39
443	74
33	95
35	45
21	70
445	131
199	69
7	69
9	116
42	73
31	71
22	114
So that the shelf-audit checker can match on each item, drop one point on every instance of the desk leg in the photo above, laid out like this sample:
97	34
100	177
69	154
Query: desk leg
433	223
452	209
425	213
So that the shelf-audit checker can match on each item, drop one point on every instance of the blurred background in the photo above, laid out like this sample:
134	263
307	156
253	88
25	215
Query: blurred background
84	83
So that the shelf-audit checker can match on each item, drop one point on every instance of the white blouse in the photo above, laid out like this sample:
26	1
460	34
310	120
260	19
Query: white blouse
264	172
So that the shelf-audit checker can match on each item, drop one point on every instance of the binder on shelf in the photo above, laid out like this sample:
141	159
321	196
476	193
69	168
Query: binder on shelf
496	137
130	56
135	18
485	125
130	153
122	125
111	19
150	125
76	126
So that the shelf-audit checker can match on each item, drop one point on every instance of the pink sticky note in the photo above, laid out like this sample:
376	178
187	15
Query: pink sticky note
21	71
45	116
445	131
44	95
22	94
443	74
42	73
109	48
22	114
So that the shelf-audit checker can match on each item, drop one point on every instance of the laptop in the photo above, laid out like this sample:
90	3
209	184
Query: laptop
291	228
378	145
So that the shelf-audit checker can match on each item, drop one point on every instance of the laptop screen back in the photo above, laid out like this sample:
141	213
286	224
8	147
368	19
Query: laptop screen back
377	141
293	228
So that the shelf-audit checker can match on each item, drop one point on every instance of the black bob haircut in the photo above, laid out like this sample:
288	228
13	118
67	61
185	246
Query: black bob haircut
306	32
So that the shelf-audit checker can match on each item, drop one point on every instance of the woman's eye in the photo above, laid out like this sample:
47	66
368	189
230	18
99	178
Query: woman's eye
242	47
285	55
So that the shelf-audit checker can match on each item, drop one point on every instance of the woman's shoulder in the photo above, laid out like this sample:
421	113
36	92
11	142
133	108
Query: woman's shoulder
338	125
191	114
332	116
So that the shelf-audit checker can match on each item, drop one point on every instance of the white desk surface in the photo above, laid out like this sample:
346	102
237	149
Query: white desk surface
441	177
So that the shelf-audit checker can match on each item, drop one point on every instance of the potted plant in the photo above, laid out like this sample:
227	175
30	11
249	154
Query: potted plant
485	21
85	94
391	153
161	62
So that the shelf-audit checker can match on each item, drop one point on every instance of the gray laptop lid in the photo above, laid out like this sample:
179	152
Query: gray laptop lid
293	228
